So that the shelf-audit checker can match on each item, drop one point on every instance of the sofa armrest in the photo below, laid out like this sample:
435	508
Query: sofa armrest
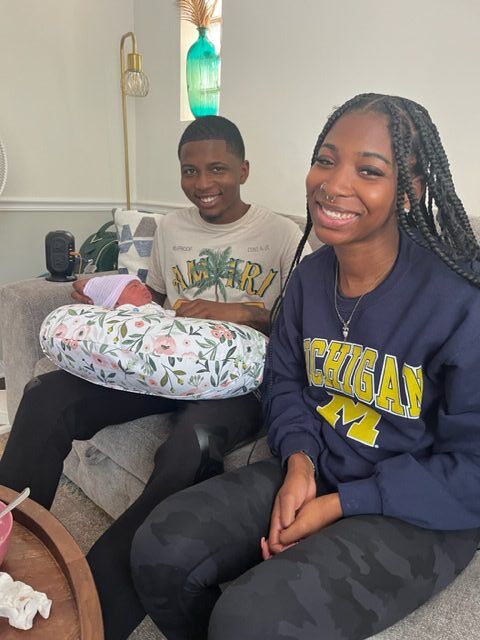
23	307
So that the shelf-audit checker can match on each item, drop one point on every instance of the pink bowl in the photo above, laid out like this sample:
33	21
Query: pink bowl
6	526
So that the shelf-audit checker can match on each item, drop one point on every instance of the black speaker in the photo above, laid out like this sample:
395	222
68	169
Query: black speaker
59	248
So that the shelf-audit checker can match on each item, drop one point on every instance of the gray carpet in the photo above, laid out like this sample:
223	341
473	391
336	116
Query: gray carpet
86	522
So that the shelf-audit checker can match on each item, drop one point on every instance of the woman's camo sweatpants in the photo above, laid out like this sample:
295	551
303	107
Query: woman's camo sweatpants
347	582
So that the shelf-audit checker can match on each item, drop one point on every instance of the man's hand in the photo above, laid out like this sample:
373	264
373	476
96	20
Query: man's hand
312	517
238	312
228	312
298	489
77	293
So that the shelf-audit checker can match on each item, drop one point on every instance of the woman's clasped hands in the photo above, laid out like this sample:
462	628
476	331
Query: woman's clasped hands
297	512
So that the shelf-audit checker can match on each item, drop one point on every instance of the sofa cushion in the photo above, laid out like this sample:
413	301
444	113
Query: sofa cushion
105	482
248	454
44	365
132	445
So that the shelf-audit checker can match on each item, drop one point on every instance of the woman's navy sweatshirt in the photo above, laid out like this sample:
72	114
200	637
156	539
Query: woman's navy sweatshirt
390	416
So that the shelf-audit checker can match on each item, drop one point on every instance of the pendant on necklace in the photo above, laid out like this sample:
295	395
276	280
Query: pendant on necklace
345	331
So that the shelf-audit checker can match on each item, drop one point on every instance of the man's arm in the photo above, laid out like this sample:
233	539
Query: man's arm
239	312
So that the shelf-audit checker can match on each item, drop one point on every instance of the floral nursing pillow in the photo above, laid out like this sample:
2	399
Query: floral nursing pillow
144	351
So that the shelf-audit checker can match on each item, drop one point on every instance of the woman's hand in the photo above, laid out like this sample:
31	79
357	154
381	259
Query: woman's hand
298	489
312	517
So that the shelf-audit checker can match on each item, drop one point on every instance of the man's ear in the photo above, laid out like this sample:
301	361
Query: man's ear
244	171
419	188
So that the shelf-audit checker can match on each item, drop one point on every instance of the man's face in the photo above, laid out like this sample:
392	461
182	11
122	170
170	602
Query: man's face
211	179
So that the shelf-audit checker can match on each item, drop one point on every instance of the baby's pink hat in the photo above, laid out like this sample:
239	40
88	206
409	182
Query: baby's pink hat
104	291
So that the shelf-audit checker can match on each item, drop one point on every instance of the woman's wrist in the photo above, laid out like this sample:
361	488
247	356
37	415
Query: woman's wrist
334	506
301	460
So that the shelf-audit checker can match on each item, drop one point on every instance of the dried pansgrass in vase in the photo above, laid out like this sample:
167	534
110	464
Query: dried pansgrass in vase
199	12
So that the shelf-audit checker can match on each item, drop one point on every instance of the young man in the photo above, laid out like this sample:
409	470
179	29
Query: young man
221	259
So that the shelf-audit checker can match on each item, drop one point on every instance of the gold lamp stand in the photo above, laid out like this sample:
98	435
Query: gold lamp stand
134	83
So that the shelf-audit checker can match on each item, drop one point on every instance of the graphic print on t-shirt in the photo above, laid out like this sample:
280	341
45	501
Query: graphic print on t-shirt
220	270
369	378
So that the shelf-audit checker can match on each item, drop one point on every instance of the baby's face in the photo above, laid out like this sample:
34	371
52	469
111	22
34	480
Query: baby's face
135	293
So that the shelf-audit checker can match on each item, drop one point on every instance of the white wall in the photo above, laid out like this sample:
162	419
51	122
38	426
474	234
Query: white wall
158	127
60	118
282	71
286	64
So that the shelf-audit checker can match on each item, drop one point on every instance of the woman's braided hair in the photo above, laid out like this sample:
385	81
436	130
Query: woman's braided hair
418	151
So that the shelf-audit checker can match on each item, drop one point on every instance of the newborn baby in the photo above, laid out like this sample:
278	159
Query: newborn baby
114	291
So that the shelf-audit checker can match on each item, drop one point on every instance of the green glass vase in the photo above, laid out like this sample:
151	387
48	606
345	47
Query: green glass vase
203	76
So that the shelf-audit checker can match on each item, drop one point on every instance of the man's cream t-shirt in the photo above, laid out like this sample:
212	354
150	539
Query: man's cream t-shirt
243	261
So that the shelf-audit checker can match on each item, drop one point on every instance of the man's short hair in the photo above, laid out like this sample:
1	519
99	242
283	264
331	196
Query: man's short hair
214	128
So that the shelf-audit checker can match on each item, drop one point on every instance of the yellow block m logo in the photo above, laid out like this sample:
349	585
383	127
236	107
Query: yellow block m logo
363	418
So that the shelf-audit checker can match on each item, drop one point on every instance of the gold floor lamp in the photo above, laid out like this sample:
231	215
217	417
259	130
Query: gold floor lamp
134	83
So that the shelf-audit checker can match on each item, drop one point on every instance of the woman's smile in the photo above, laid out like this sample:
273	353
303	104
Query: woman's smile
333	217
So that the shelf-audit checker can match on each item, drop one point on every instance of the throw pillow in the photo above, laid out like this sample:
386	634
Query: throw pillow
135	230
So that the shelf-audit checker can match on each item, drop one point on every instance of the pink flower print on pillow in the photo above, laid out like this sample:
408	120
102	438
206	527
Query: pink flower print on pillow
80	333
60	331
165	345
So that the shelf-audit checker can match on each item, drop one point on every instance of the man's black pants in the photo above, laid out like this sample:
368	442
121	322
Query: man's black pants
58	408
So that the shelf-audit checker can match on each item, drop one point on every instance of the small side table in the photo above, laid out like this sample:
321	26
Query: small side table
44	555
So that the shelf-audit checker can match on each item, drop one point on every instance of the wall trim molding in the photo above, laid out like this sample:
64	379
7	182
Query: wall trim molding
39	205
50	205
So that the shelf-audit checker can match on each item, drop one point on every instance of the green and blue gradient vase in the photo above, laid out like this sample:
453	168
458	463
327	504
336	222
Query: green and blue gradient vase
203	76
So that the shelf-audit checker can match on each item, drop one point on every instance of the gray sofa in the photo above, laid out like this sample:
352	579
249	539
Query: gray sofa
113	467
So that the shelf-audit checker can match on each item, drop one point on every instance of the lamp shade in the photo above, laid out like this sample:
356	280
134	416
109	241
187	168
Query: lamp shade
136	84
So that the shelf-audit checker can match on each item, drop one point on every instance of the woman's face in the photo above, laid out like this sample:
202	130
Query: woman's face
351	187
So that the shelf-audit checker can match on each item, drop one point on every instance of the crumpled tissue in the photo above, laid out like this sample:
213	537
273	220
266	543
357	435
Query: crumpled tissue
20	603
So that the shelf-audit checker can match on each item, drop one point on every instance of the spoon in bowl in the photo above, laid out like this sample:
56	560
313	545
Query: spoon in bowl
25	493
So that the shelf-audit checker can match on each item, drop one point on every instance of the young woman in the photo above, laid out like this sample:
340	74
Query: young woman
371	504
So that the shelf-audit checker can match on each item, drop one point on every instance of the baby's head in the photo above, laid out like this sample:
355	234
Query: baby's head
113	291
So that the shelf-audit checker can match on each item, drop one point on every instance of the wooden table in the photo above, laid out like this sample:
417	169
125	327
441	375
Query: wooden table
44	555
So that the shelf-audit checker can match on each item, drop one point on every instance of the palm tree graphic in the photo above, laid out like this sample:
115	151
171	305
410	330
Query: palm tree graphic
215	269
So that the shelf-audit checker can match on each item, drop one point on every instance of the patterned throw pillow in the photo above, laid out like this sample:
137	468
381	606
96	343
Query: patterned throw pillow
135	231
